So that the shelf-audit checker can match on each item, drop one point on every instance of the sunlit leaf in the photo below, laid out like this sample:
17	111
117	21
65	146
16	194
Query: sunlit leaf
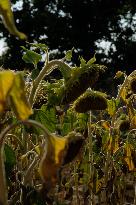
68	54
6	82
18	98
91	61
123	94
8	19
82	62
119	74
41	46
31	57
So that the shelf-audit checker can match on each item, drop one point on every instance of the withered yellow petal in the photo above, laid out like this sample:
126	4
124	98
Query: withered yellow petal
52	160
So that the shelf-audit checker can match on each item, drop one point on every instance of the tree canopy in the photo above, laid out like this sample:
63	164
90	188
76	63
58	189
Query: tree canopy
84	24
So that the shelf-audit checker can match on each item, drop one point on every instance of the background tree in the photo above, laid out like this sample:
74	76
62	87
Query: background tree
86	25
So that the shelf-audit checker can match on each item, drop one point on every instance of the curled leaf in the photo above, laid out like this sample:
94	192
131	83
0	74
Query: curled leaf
52	160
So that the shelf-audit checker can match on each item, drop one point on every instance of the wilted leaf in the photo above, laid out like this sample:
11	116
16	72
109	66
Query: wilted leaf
112	106
8	19
97	183
116	144
52	160
18	98
6	82
106	125
24	161
123	94
128	157
59	151
133	122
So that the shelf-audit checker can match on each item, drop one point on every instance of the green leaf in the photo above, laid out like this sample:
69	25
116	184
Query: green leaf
91	61
66	71
31	57
47	117
68	54
10	157
35	73
41	46
82	62
18	98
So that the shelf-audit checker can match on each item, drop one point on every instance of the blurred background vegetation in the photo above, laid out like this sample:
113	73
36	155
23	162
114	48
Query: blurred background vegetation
104	27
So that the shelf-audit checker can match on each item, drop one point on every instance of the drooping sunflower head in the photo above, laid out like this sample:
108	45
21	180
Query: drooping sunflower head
80	81
90	100
75	142
133	85
124	125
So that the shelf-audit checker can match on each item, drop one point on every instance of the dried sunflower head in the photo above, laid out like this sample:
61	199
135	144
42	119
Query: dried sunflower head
90	100
80	81
124	125
133	85
75	142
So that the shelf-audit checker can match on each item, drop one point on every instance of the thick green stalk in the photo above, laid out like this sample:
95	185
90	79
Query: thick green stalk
46	70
